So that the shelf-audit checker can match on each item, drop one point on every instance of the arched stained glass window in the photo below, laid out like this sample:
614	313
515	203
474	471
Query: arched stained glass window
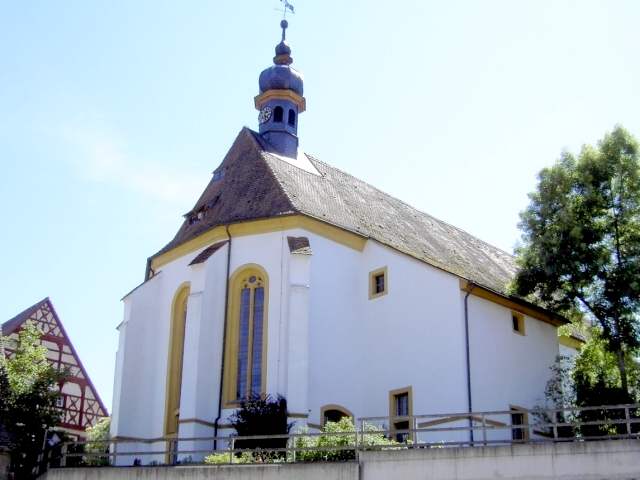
246	337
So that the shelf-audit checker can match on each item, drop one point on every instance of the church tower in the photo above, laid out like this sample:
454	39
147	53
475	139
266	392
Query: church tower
280	101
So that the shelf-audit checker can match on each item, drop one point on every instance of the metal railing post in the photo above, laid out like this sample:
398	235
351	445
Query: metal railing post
292	440
63	455
555	425
484	429
355	445
232	447
627	417
115	453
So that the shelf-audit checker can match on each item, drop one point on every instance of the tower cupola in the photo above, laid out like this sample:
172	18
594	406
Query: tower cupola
281	100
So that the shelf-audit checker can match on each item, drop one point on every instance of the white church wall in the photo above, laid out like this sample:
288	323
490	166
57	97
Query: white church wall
138	412
361	349
120	366
417	329
333	330
508	369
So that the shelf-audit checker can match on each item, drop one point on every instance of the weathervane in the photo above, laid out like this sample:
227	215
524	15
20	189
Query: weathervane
286	5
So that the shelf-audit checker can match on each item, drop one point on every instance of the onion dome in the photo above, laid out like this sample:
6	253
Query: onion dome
281	76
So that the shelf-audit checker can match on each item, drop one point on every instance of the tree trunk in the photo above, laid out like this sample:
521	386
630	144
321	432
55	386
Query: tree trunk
623	370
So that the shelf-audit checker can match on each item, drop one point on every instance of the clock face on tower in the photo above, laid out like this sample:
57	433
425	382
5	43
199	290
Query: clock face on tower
264	115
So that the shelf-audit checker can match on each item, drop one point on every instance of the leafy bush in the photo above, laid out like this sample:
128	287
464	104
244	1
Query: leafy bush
224	458
261	416
339	442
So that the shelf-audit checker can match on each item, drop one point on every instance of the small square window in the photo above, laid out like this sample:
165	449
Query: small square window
378	283
517	322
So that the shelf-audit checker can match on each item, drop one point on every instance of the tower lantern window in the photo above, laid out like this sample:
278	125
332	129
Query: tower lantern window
278	114
292	118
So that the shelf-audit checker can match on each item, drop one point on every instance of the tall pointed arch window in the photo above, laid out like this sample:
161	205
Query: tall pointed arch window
245	362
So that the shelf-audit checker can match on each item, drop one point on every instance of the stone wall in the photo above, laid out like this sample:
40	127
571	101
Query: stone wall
606	460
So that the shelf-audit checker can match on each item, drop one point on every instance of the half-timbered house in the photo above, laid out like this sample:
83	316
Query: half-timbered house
79	400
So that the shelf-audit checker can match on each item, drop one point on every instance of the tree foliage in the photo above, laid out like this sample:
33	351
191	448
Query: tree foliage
591	379
581	240
28	405
98	438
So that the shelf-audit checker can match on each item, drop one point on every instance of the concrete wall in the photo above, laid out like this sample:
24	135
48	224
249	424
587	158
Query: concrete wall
318	471
612	460
608	460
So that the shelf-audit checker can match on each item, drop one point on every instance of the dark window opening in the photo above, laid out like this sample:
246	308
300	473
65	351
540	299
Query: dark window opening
517	419
517	322
401	437
278	114
292	118
334	415
379	283
402	404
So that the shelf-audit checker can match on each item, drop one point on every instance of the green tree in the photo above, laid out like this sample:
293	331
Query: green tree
28	400
98	438
590	379
581	240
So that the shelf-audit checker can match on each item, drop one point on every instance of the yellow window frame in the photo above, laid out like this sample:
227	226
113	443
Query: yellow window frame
236	284
372	282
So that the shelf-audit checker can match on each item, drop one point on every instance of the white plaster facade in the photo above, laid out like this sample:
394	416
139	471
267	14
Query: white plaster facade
328	342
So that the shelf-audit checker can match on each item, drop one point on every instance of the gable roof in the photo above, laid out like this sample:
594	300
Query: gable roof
257	184
13	324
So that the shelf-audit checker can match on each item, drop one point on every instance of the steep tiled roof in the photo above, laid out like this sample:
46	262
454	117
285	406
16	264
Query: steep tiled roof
204	255
242	189
257	184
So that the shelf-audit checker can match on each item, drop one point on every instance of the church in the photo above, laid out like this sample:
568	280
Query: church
289	276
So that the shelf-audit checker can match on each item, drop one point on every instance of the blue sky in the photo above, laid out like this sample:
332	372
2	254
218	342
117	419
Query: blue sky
114	114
